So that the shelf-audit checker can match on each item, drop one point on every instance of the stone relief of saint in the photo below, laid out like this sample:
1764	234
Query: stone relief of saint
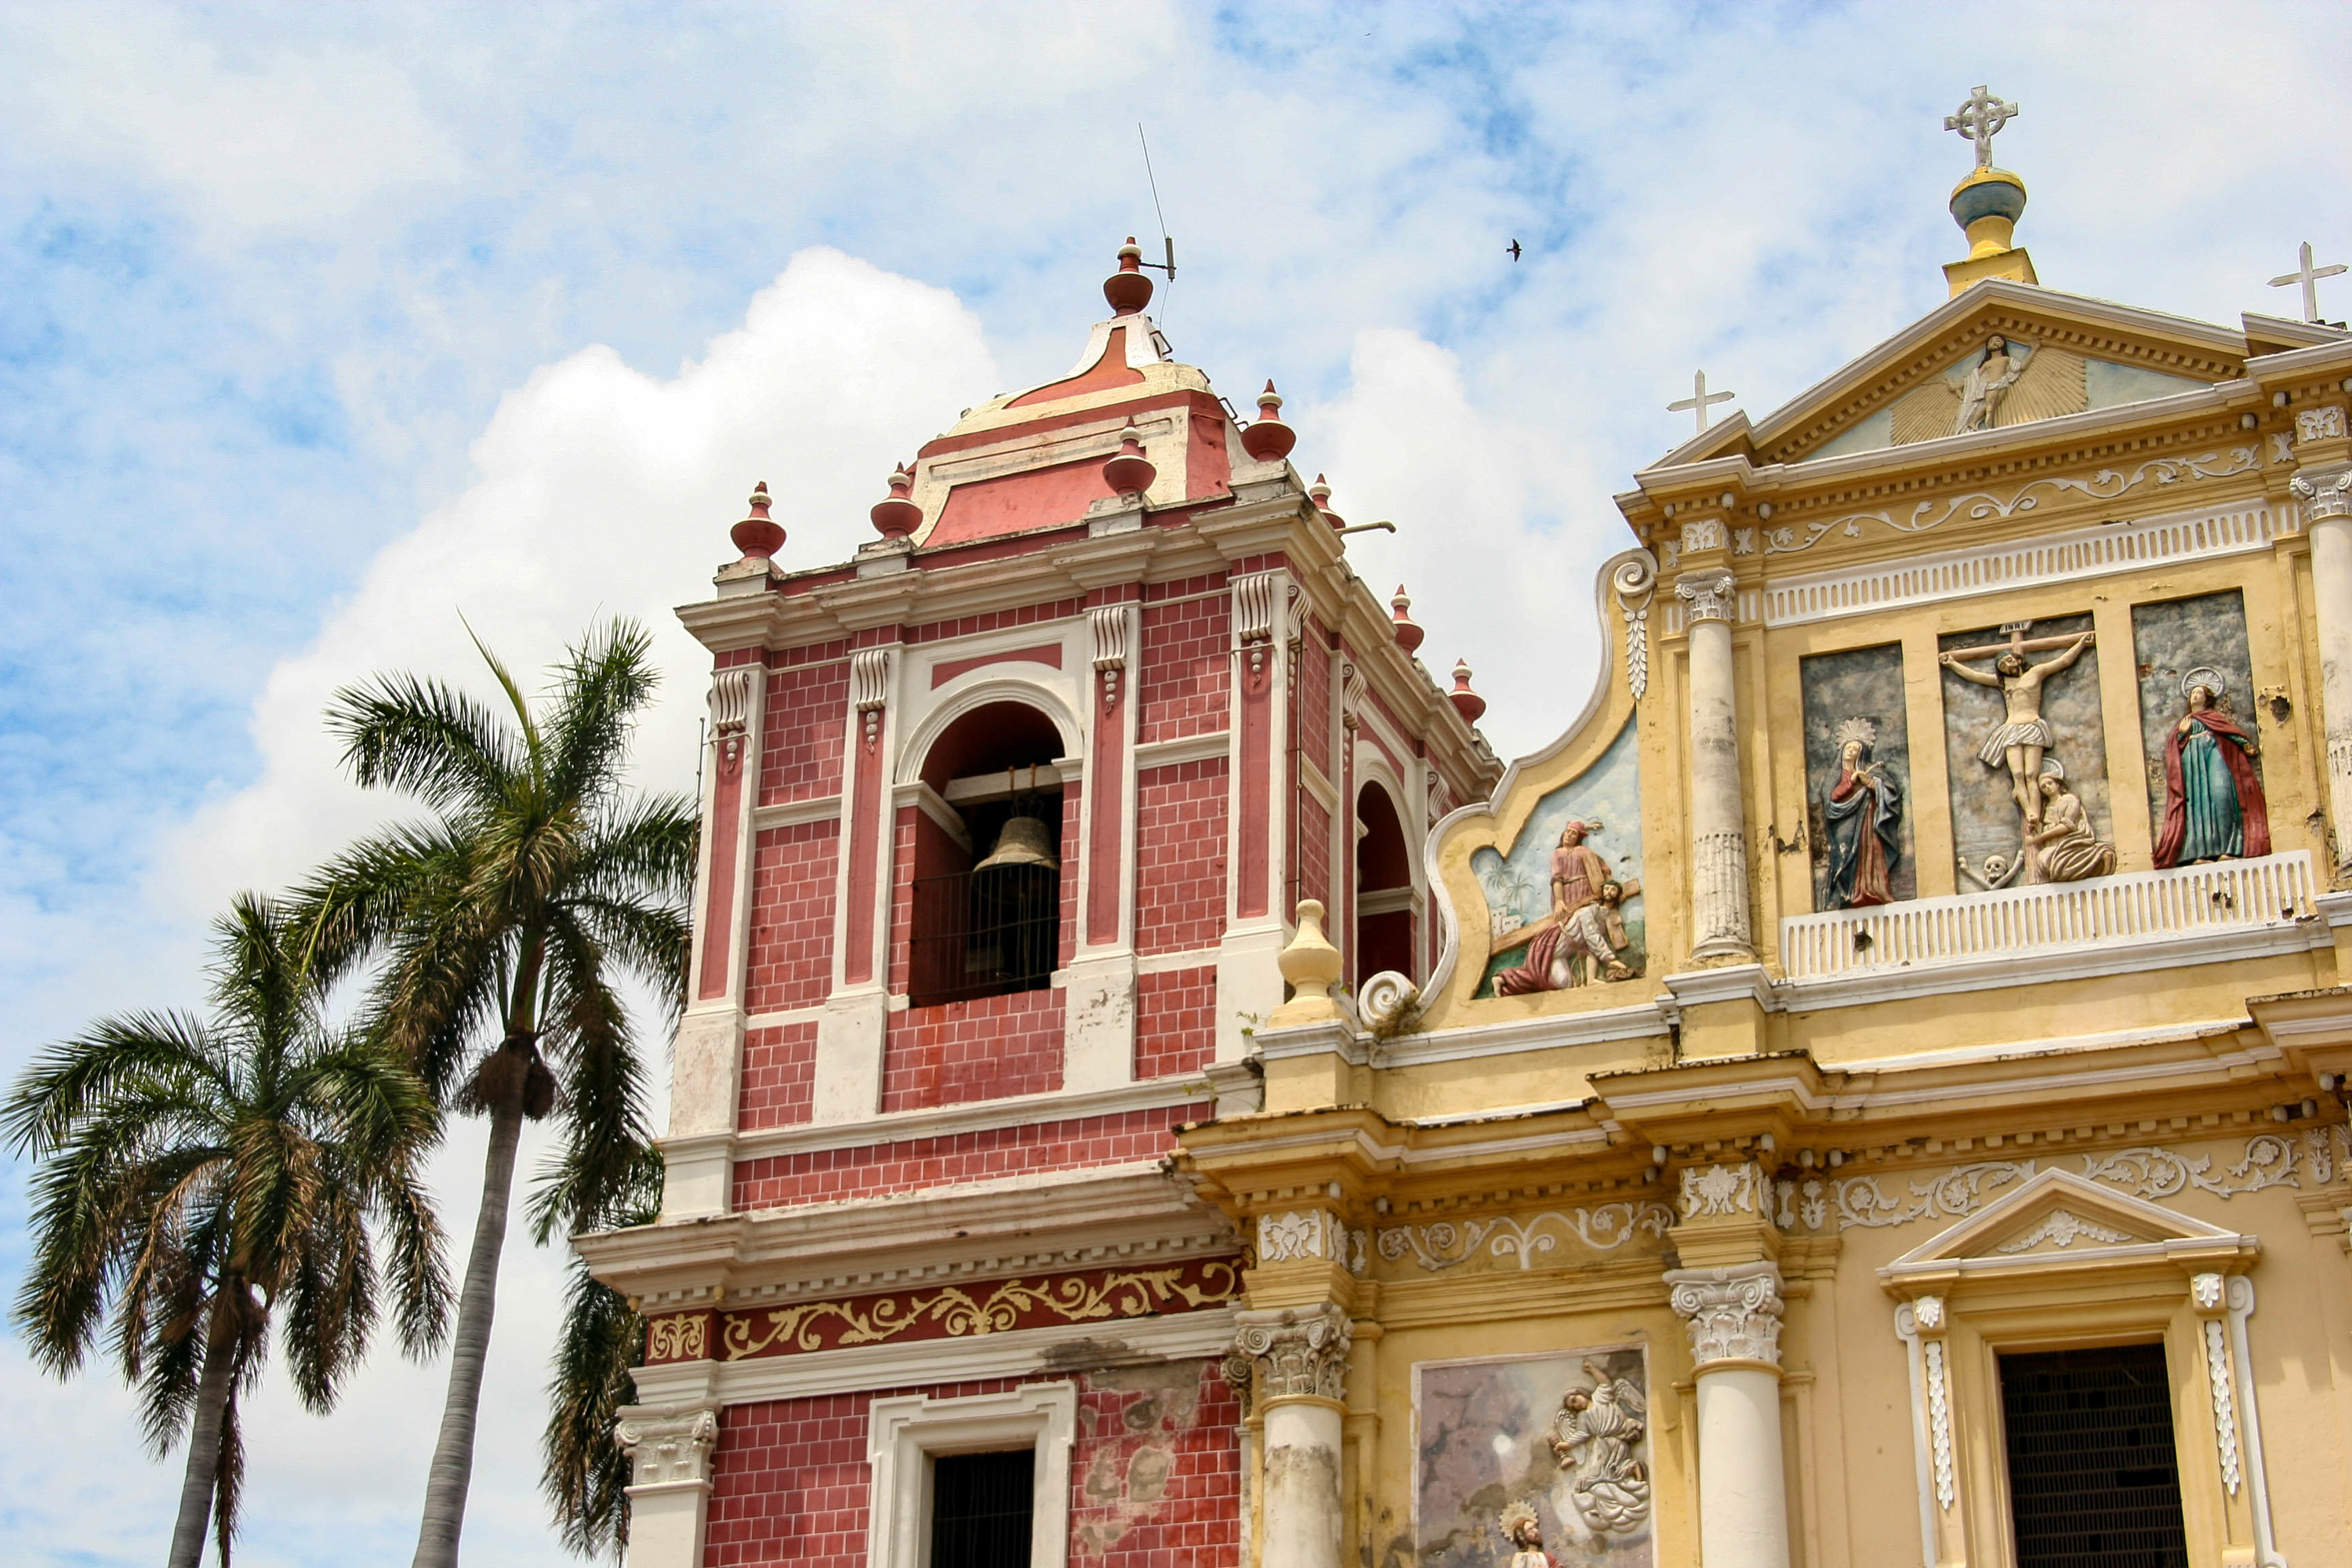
2024	735
1585	932
2009	384
2213	803
1524	1530
1597	1438
2065	847
1862	813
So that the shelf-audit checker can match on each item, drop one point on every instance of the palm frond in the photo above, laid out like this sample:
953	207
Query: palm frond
586	1470
604	681
425	739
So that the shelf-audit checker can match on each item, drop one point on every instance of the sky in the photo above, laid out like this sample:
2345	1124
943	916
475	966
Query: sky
320	326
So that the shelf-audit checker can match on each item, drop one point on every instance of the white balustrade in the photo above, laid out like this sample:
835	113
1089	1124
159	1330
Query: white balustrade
2105	912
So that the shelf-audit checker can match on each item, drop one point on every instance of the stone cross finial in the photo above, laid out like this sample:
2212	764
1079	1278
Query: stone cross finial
1699	399
2309	276
1981	119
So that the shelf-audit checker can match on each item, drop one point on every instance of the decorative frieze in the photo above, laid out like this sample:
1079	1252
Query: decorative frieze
2062	1229
2325	423
1709	1191
1733	1314
668	1445
677	1336
1297	1236
1603	1228
1291	1354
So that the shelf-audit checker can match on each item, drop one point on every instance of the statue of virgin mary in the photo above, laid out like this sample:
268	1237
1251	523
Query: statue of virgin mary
2213	804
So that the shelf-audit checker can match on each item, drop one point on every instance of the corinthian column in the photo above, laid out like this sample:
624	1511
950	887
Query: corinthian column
1734	1318
2328	516
1298	1359
669	1448
1719	927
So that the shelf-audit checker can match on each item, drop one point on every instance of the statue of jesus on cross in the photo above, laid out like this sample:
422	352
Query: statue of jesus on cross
2024	735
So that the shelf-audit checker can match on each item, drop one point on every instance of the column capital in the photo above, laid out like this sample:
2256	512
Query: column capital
1733	1314
1709	595
1293	1354
2324	495
667	1445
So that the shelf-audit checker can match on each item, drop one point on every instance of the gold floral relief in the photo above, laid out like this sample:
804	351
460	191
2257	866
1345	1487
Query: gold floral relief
682	1336
953	1311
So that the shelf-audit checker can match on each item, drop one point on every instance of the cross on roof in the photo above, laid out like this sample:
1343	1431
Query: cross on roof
1981	119
1699	399
2309	276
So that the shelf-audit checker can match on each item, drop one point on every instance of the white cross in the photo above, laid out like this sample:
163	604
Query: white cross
1981	119
1699	399
2309	277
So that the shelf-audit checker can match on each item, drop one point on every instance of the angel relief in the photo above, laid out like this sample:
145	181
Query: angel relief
2008	382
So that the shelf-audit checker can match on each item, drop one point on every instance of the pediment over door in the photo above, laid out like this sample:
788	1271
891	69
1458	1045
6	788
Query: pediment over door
2057	1220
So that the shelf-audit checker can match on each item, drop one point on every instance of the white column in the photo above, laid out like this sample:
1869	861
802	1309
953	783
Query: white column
1298	1360
669	1481
2327	518
1719	926
1734	1318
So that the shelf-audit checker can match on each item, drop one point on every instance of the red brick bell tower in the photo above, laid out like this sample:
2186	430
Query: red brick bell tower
1004	817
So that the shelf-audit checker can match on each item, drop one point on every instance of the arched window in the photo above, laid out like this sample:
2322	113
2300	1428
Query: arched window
1383	888
985	893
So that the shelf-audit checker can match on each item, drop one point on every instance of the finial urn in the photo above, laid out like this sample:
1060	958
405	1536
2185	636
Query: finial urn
757	536
1127	290
1266	438
898	515
1466	702
1319	492
1129	472
1312	965
1408	631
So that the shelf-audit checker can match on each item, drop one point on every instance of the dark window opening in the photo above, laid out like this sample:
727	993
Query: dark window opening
2092	1479
1384	901
986	893
981	1509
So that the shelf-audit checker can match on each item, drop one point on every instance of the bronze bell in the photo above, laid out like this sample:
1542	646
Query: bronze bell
1025	841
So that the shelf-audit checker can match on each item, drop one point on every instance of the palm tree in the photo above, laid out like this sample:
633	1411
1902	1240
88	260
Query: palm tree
499	929
199	1175
602	1337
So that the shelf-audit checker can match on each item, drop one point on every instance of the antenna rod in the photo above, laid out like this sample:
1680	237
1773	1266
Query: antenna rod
1162	216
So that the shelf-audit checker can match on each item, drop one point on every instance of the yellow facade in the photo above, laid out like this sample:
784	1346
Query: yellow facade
1967	1123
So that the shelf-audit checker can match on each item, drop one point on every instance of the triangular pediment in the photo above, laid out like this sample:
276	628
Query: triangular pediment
2055	1215
2058	354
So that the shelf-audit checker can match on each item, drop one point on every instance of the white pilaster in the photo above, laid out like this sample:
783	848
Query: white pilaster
1734	1318
669	1481
1720	920
2328	514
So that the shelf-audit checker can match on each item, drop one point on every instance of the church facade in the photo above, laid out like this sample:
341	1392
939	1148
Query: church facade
1157	1092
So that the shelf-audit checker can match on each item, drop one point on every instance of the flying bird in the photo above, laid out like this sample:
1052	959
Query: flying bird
1515	250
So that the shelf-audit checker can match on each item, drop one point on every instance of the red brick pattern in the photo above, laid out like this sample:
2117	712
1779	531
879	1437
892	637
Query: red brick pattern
1175	1021
1314	854
792	916
1179	857
1185	669
995	620
988	1048
1155	1474
825	1174
1314	698
806	725
779	1075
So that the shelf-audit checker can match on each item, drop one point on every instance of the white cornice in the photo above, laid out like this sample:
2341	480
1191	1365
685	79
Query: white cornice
1183	749
943	1122
793	813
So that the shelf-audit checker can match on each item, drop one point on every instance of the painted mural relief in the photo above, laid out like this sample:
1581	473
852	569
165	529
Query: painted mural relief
2004	382
1858	773
2204	775
1565	903
1533	1461
2024	739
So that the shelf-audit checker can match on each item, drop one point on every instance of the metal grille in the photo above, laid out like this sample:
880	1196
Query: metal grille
2093	1482
984	933
979	1509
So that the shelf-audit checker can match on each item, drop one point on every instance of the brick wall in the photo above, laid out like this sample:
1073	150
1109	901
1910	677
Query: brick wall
806	723
1179	857
1175	1021
1315	854
911	1162
988	1048
1185	669
792	916
996	621
1155	1474
778	1075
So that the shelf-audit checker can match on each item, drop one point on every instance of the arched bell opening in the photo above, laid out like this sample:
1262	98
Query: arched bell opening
986	888
1384	896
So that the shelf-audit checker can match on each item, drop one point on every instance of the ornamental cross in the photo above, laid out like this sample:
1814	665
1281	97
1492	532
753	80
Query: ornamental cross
1981	119
2309	276
1699	399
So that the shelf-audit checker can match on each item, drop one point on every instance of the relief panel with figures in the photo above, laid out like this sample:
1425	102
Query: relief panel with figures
1566	903
2026	750
1857	778
2200	730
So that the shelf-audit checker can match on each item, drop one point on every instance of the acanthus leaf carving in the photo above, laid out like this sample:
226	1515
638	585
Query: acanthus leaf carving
1603	1228
1733	1314
1635	581
1291	1354
667	1445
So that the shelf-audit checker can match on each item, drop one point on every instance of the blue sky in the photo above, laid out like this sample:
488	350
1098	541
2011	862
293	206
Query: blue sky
321	324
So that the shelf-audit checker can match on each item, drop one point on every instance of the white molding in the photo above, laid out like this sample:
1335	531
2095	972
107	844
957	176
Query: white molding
901	1126
2009	565
1170	962
1544	1032
1321	788
903	1434
793	813
2241	1299
927	800
1183	749
1015	1353
784	1019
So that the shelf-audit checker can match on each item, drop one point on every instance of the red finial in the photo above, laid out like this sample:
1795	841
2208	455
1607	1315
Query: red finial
1266	438
897	517
1318	492
1127	290
1466	702
1408	632
1130	472
757	536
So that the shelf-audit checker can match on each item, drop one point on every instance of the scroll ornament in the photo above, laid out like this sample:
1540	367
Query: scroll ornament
1636	582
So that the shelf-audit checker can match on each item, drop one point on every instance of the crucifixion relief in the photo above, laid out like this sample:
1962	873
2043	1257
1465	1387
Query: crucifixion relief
2023	736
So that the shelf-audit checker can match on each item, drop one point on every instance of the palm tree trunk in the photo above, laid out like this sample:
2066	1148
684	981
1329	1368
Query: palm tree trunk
453	1454
205	1433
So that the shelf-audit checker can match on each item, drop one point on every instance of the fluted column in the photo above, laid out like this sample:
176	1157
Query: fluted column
1734	1318
2327	518
1719	925
1298	1360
